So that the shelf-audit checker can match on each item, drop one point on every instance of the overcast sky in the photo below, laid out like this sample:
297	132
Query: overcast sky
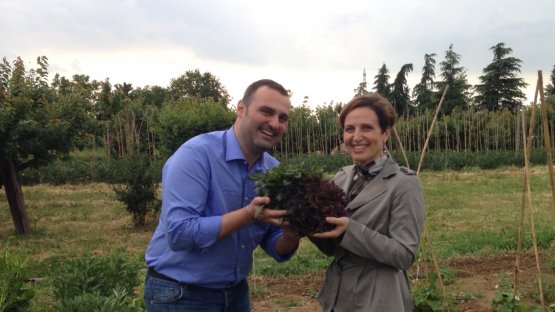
317	49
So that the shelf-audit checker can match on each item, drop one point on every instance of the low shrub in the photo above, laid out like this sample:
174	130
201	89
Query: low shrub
14	294
118	301
99	275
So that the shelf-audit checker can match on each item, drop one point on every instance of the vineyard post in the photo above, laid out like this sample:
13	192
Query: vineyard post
430	131
401	147
425	233
546	137
526	148
533	225
527	191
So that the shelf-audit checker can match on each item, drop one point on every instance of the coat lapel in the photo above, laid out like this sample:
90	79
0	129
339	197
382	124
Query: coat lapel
375	188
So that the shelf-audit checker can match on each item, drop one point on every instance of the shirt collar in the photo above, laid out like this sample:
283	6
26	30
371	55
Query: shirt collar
233	150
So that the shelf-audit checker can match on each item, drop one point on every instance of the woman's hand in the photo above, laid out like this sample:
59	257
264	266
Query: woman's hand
341	224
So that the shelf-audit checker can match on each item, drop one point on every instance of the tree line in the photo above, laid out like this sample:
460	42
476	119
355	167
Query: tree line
42	119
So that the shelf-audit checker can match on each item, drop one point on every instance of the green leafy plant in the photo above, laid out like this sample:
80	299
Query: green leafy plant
96	275
118	301
305	194
427	297
138	192
14	295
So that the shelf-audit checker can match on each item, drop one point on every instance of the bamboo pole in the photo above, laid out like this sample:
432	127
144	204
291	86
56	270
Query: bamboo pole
527	191
425	234
526	146
533	227
401	147
430	131
546	137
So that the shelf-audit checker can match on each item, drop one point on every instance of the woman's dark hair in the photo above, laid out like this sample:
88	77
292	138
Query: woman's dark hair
261	83
374	101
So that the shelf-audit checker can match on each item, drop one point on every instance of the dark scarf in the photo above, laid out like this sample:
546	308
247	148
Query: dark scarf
364	174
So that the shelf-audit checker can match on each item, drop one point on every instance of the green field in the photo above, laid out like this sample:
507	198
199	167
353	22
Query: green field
470	214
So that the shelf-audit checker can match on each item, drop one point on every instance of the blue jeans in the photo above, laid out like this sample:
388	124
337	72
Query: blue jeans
162	295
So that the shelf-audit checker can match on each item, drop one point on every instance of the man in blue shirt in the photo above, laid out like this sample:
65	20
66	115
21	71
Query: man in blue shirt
201	252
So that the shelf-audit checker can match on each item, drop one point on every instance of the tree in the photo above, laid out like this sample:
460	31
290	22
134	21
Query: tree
381	82
500	87
36	126
203	86
186	118
453	75
550	89
423	92
362	87
400	96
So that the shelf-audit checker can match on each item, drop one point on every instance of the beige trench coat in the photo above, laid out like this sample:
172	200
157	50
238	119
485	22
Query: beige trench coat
380	243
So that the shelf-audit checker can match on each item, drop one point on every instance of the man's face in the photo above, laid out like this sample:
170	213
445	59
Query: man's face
262	123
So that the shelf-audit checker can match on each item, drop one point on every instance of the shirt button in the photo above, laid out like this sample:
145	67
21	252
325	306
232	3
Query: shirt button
243	246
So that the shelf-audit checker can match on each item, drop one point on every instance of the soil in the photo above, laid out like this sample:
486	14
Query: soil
475	280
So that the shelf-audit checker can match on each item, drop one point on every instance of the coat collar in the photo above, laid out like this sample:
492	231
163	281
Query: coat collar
373	189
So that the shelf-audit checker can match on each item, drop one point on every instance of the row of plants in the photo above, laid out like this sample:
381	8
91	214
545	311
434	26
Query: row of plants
92	283
113	283
77	170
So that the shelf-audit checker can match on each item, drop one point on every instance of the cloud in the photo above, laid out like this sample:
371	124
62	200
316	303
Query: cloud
317	48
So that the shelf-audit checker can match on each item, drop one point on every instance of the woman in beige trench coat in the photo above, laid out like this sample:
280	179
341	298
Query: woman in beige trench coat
377	241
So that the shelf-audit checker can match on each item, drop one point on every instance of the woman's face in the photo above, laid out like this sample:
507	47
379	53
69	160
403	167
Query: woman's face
363	137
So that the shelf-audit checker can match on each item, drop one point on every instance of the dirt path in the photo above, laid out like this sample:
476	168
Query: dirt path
475	277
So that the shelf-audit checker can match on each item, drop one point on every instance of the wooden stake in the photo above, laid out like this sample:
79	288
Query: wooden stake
401	147
425	234
430	131
546	137
526	149
533	225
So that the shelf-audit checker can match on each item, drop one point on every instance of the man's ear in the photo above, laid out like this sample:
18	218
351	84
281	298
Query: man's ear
241	109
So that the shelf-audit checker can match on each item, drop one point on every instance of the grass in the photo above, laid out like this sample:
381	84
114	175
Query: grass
475	212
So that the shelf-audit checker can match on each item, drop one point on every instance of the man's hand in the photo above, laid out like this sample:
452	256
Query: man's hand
256	211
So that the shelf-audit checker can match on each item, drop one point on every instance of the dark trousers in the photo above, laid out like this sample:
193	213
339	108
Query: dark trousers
166	295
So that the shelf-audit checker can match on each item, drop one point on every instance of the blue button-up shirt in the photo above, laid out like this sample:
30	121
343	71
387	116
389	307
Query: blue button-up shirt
205	178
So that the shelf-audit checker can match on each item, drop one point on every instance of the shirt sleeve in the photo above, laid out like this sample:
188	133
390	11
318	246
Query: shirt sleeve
185	187
268	244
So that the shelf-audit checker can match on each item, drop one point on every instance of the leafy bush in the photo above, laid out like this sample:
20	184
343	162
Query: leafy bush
427	297
305	194
98	275
118	301
139	190
14	295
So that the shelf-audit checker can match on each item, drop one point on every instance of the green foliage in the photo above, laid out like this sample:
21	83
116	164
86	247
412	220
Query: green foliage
454	76
300	263
423	92
505	302
427	296
187	118
500	87
99	275
400	95
203	86
14	294
118	301
449	160
302	191
467	242
36	125
381	82
139	189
